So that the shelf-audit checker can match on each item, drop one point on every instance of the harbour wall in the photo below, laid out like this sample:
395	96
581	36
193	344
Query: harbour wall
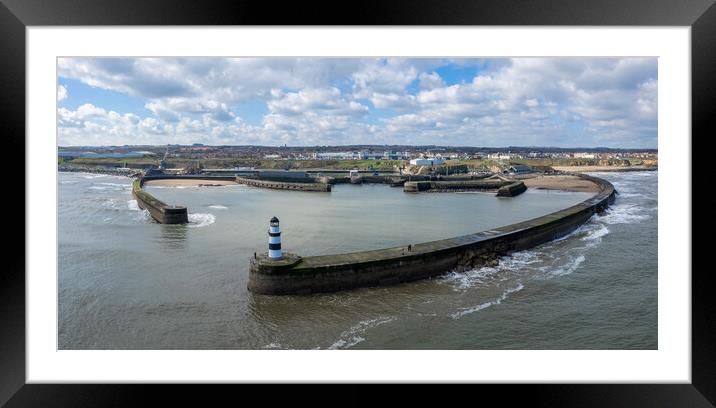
417	186
397	180
187	177
284	185
330	273
512	190
160	211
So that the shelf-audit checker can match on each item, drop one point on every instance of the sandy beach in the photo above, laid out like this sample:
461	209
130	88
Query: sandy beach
188	183
567	183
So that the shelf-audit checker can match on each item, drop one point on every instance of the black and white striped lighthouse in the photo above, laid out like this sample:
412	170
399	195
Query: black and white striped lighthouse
274	239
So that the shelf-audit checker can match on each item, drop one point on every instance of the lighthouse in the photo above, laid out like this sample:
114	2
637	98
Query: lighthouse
274	240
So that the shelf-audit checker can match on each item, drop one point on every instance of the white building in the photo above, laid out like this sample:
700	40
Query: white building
336	155
427	161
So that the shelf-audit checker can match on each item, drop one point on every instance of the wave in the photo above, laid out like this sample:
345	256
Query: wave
113	204
622	194
218	207
123	185
624	214
594	234
133	206
138	213
566	269
198	220
110	187
478	276
354	334
503	297
273	346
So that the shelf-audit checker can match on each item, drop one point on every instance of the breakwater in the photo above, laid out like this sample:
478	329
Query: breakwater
284	185
512	190
398	180
160	211
330	273
187	177
417	186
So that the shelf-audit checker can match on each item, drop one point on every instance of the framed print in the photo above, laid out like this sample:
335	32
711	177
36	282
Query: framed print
470	195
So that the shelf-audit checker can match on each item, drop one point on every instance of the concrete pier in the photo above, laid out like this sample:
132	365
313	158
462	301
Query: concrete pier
418	186
330	273
284	185
512	190
160	211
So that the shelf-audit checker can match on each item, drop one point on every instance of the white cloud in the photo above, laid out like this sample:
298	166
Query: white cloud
541	101
61	93
430	81
315	100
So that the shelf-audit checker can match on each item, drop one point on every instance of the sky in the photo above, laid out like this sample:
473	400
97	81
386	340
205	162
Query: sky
493	102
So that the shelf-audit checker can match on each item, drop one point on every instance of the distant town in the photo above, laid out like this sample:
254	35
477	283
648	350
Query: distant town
385	158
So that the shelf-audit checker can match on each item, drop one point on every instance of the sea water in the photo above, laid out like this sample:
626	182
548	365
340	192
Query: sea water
126	282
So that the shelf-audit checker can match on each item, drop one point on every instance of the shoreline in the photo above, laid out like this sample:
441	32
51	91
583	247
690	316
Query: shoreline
106	172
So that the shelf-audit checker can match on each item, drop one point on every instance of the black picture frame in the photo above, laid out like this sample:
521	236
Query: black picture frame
16	15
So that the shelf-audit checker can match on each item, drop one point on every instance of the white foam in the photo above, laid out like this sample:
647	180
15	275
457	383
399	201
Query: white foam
567	269
123	185
113	204
473	277
273	346
138	213
110	186
624	214
469	310
218	207
353	335
133	206
92	176
595	234
198	220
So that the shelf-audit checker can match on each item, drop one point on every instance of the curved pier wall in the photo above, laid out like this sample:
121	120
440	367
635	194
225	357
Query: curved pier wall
160	211
332	273
282	185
